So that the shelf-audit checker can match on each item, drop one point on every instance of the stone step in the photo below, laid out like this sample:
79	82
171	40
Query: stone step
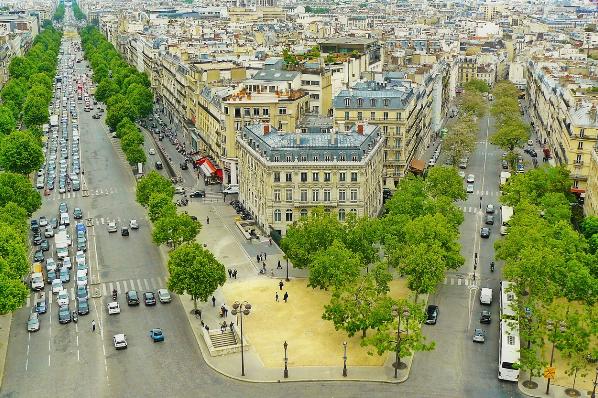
225	339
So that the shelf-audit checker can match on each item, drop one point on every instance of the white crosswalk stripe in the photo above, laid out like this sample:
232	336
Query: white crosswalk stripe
132	284
456	281
125	288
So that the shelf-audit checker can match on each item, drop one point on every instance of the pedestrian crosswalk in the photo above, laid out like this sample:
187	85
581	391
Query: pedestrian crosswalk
105	289
79	194
471	209
487	193
458	280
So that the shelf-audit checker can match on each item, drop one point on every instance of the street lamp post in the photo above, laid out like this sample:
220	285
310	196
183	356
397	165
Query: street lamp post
345	359
396	312
242	309
551	328
595	384
287	269
286	360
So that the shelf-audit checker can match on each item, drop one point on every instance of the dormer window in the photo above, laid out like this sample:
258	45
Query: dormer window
373	102
347	102
360	102
386	102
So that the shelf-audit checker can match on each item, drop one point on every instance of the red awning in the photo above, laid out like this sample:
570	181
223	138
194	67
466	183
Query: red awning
219	174
206	166
577	190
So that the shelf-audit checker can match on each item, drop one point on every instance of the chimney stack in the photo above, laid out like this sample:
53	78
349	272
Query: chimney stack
360	128
298	136
266	127
333	137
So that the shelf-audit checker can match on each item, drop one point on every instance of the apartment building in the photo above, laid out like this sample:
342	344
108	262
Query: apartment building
283	175
400	109
563	111
591	194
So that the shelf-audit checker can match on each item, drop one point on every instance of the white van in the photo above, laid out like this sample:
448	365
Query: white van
65	219
486	296
232	188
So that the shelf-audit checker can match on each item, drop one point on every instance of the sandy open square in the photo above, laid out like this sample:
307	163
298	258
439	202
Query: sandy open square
312	341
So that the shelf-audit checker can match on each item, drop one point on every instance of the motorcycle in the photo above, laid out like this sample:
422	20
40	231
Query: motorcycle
492	266
114	295
75	317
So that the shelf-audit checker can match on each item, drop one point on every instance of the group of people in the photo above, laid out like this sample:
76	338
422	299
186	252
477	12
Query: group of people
232	273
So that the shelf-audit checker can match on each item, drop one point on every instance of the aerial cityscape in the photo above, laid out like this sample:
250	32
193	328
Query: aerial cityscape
286	198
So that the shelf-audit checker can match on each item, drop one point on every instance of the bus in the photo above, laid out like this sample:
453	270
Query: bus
506	212
508	350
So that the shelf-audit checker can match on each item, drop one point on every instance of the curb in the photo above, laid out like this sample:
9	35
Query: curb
4	335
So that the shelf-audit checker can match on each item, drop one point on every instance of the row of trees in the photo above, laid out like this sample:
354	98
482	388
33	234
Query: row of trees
131	141
79	15
512	131
555	269
125	91
59	13
193	269
419	235
460	141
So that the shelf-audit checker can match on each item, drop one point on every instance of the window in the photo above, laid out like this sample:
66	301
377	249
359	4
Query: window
315	195
256	111
353	176
354	211
288	176
303	176
265	111
327	195
360	102
237	112
277	195
342	195
342	157
226	110
341	214
385	115
314	96
354	158
289	215
304	195
326	176
327	158
289	159
580	145
372	115
373	102
347	102
386	102
282	111
277	215
246	112
276	158
582	133
385	130
315	158
289	194
354	195
304	158
342	176
277	176
315	177
303	213
346	115
359	115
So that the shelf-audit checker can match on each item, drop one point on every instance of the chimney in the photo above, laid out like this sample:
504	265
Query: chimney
298	136
333	136
266	127
360	128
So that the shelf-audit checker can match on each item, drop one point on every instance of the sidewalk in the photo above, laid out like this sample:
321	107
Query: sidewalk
556	391
5	324
227	243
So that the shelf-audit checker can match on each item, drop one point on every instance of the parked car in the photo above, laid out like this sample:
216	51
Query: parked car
432	314
470	179
82	306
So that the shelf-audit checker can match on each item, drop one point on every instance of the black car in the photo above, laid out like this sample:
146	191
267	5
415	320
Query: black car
44	245
149	298
505	165
34	225
184	166
485	317
41	305
489	219
159	165
38	256
197	194
485	232
132	297
432	314
82	306
64	314
37	238
124	231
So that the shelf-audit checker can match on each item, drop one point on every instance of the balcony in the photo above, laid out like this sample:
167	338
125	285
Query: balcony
578	164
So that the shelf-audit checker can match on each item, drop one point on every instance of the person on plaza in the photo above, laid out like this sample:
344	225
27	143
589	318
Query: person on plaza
279	266
231	326
257	257
213	301
93	325
280	284
235	274
265	257
230	273
276	297
207	220
285	297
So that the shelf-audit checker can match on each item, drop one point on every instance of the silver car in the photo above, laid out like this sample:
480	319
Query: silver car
33	322
479	336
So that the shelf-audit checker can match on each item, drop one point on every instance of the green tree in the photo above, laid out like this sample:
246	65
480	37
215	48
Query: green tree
15	92
16	217
106	89
409	198
40	79
13	253
405	338
142	99
132	139
445	181
477	85
160	205
35	111
20	67
359	306
13	294
17	188
178	229
504	109
195	271
334	266
117	111
423	266
460	141
8	124
512	134
21	152
472	103
533	185
589	226
125	127
135	155
153	183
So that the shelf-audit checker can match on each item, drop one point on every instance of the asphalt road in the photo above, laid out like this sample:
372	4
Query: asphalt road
60	357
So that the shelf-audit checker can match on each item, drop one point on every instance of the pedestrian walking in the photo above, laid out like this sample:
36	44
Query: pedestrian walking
280	284
230	273
235	274
208	220
207	328
257	257
231	326
285	297
225	312
264	265
265	256
279	266
93	325
213	301
270	241
276	297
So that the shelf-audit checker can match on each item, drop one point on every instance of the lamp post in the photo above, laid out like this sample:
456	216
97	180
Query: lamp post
550	327
396	312
595	384
345	359
286	360
287	268
242	309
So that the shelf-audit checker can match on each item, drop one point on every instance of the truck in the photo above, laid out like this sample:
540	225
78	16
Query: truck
486	296
37	277
504	177
506	212
54	120
62	244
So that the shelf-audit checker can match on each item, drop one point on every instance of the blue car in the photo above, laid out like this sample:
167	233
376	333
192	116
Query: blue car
65	275
156	335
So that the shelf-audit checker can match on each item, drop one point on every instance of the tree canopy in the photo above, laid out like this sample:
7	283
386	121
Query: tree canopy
153	183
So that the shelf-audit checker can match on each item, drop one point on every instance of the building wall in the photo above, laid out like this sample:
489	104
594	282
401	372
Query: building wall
591	197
